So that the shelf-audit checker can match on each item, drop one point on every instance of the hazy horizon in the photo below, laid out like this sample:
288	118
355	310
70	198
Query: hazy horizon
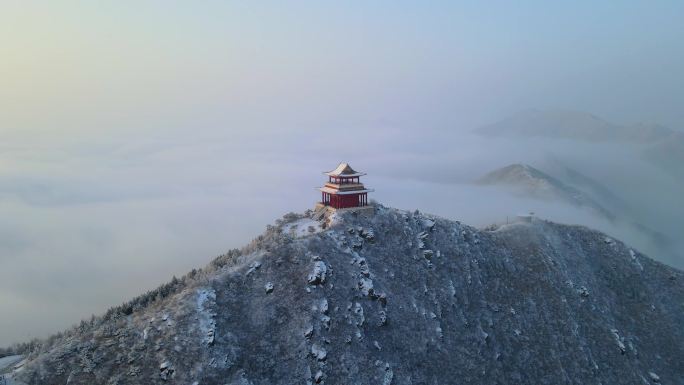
138	142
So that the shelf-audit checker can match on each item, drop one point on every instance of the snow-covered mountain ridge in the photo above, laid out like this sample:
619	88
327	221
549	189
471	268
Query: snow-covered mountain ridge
540	185
393	298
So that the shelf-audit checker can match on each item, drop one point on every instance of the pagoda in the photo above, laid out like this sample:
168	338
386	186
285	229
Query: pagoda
344	189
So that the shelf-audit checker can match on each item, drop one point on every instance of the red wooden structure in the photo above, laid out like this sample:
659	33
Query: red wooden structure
344	189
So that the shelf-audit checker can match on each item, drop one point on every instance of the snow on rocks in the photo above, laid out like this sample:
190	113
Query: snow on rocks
583	292
325	321
428	223
654	377
389	375
619	340
268	287
635	260
363	267
324	306
303	227
318	377
452	288
308	332
422	236
254	266
366	287
206	300
319	352
367	234
357	245
317	276
166	371
382	318
358	311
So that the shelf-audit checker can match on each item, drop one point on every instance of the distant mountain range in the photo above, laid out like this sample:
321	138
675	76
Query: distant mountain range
574	125
663	147
531	182
537	184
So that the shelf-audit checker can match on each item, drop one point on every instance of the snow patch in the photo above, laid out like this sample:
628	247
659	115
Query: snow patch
254	266
428	223
619	340
319	352
635	260
206	299
303	227
654	377
8	361
317	276
366	286
268	287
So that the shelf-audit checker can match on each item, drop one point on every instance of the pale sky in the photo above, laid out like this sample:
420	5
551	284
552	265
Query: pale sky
79	67
138	139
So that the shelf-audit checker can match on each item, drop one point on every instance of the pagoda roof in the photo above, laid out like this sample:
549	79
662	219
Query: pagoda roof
344	169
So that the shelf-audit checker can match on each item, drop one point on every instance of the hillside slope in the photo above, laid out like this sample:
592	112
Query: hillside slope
395	298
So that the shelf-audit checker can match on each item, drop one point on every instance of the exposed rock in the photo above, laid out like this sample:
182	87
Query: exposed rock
654	377
583	291
325	321
388	377
317	276
319	352
619	340
367	234
166	370
268	287
382	318
308	332
318	377
324	306
366	286
253	267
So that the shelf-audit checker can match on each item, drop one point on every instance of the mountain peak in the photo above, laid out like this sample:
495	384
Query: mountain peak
394	297
523	175
534	183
